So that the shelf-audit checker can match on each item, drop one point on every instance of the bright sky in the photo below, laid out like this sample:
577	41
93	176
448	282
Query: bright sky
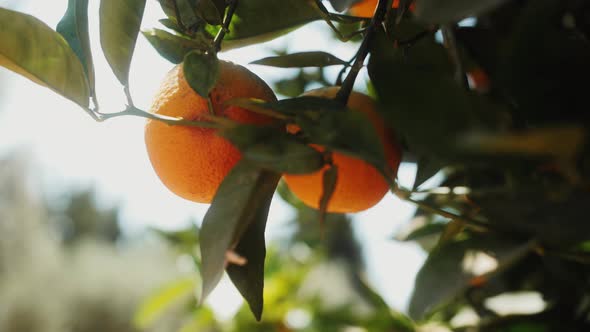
74	151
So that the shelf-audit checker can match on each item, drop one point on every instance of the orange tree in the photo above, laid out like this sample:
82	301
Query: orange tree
513	152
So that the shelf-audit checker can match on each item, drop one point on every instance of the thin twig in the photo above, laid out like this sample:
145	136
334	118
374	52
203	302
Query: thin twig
343	70
232	5
469	222
327	17
212	121
363	51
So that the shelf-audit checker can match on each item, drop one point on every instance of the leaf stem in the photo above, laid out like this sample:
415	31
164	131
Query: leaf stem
327	17
231	9
363	51
128	95
468	222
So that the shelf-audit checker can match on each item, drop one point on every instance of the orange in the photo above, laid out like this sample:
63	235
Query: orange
366	8
359	185
478	80
192	161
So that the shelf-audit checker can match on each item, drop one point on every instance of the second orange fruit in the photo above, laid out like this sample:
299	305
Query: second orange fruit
192	161
359	185
366	8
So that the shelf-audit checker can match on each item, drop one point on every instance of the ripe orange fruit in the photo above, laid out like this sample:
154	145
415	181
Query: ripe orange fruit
366	8
478	80
359	185
192	161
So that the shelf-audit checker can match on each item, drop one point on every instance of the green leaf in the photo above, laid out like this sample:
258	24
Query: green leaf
287	195
418	83
303	59
256	21
171	24
249	278
327	122
156	304
186	9
193	11
32	49
349	132
74	28
241	200
419	233
209	11
173	47
310	105
329	180
454	265
274	149
446	11
201	71
119	26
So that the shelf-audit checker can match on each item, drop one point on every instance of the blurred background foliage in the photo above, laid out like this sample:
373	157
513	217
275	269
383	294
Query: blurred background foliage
65	265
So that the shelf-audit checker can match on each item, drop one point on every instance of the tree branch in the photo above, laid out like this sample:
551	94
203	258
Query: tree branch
363	51
232	5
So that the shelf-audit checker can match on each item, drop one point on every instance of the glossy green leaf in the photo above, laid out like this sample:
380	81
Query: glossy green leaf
241	200
170	24
201	71
446	11
119	26
256	21
249	278
174	47
418	83
349	132
155	305
273	149
30	48
303	59
450	269
430	229
74	28
328	123
329	180
209	12
192	11
186	10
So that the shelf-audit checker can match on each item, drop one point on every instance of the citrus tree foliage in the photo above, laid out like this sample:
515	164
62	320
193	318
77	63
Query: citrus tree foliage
498	106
